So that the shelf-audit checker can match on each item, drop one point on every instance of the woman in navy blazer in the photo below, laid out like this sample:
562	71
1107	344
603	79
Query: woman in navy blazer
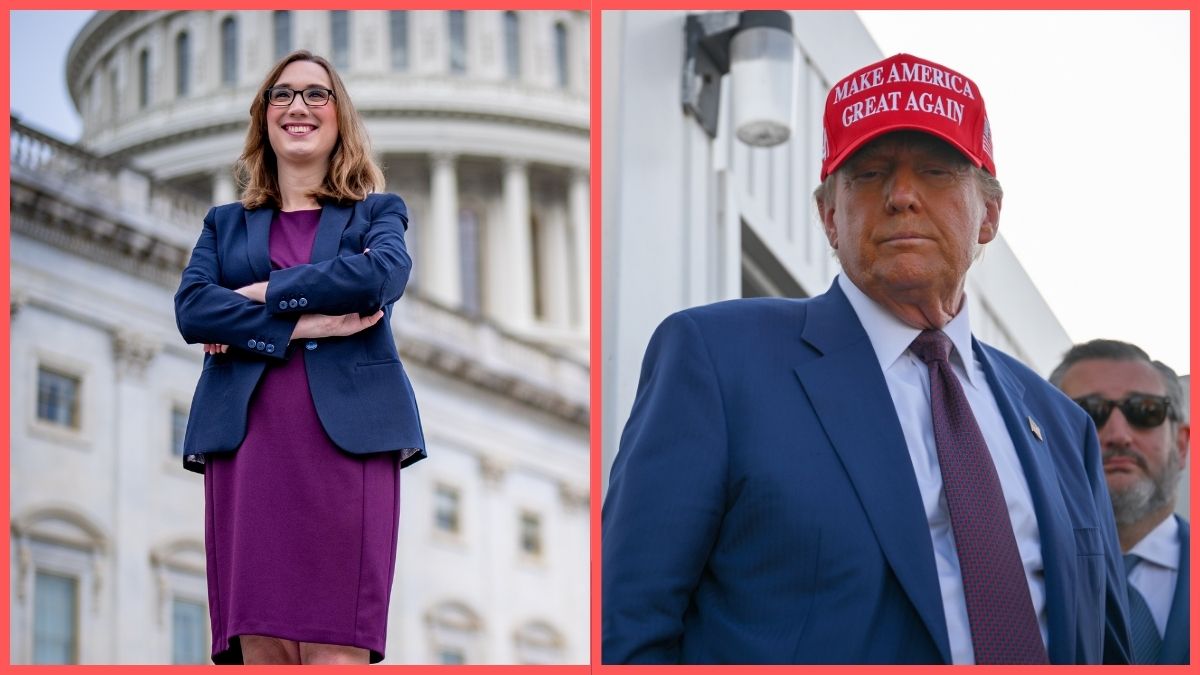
303	415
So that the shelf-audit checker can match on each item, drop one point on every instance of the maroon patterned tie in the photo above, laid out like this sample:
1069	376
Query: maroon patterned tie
1004	628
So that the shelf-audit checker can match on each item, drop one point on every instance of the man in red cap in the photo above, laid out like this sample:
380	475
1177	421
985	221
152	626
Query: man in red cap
853	477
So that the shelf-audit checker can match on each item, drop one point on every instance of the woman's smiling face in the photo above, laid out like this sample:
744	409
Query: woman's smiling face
301	134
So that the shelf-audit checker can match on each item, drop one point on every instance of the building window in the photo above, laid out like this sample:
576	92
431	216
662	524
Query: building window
55	618
143	78
283	33
183	64
458	41
512	45
446	509
187	632
398	24
560	55
454	633
538	643
179	419
229	45
58	398
531	534
181	602
339	29
59	556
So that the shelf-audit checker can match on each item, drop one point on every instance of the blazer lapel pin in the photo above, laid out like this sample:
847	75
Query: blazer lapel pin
1033	426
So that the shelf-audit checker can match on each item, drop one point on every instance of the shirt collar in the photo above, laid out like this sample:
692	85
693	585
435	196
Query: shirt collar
1161	545
890	337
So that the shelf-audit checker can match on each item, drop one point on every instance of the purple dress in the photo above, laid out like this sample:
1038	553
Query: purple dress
300	535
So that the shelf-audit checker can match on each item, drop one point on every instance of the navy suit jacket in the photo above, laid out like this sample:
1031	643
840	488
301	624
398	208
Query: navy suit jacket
361	392
1175	646
763	507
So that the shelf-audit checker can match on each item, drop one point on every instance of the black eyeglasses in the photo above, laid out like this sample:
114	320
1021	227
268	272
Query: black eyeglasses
282	97
1143	411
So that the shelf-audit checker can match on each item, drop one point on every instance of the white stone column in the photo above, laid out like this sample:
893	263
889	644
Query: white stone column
519	310
554	259
136	461
442	256
224	188
579	206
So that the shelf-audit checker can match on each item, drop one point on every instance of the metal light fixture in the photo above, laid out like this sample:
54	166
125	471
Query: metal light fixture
756	47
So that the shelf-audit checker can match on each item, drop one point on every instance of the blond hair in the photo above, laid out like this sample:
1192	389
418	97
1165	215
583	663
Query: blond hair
352	173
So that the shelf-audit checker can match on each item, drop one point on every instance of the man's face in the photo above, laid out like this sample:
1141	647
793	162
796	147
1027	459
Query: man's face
1141	465
908	217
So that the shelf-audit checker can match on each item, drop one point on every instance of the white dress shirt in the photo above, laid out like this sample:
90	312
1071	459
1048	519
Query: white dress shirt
1155	576
908	382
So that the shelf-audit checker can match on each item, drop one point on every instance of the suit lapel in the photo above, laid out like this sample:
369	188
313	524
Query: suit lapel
845	384
1056	535
329	231
258	241
1175	642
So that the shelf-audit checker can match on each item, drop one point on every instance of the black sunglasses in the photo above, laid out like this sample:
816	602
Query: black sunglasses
1143	411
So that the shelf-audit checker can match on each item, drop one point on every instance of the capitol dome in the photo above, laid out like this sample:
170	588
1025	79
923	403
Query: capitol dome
478	118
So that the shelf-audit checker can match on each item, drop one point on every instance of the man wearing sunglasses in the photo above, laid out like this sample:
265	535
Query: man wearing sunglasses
1138	407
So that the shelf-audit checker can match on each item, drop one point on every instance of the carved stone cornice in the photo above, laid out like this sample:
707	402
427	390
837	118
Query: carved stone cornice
492	470
177	135
133	353
573	496
94	236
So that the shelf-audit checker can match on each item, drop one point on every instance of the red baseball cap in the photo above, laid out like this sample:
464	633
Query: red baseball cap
905	92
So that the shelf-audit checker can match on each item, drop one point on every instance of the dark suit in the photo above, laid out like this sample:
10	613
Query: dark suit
763	506
361	392
1175	645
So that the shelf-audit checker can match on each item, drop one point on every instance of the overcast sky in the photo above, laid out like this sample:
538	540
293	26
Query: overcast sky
1089	112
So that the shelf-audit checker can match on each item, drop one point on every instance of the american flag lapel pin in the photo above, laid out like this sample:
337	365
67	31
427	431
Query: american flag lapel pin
1033	426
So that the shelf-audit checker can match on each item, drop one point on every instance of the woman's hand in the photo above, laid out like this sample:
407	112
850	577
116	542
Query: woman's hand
210	348
256	291
324	325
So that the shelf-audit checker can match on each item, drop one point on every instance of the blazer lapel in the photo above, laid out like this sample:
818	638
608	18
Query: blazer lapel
333	221
1175	648
845	384
1056	534
258	241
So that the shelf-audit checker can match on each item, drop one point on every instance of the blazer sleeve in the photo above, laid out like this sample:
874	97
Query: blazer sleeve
206	311
666	498
1117	638
362	283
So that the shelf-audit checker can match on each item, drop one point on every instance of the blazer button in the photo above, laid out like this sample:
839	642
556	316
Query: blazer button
310	345
283	304
260	346
251	343
292	303
303	302
270	348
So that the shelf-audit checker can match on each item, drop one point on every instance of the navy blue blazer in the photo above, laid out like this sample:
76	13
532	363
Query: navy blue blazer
362	394
1175	647
763	507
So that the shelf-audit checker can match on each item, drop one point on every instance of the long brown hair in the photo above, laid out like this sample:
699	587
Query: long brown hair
352	173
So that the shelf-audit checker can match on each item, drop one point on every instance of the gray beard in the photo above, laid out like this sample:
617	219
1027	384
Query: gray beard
1149	494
